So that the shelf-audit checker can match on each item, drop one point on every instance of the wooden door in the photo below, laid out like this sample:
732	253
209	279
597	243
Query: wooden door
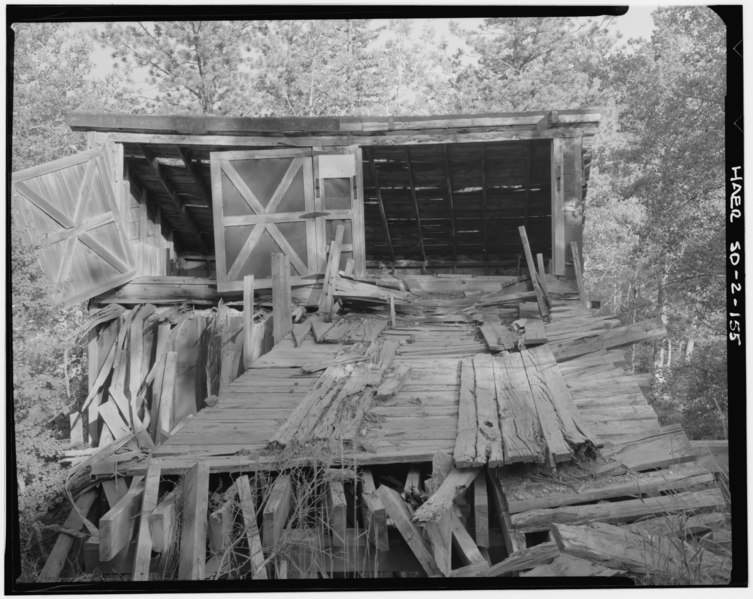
68	208
263	203
338	203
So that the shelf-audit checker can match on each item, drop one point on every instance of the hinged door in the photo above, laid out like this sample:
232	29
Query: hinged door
68	207
263	203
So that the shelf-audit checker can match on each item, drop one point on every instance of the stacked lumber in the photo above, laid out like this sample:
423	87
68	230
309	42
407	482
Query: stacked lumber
515	407
152	368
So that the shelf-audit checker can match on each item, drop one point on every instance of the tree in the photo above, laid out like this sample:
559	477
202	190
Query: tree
317	68
533	64
192	66
47	59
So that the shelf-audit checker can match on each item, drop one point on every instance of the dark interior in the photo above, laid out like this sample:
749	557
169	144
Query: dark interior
457	203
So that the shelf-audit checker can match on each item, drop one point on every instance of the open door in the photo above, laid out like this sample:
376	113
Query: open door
68	207
272	201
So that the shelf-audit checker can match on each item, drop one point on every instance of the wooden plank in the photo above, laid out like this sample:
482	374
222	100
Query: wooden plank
163	522
439	535
481	512
393	320
398	512
221	526
300	331
525	559
662	558
466	548
115	490
373	513
248	320
646	484
58	557
535	333
541	272
569	565
456	483
618	511
577	267
465	443
557	447
281	310
413	482
558	208
330	276
167	396
614	338
142	559
337	508
193	538
540	295
276	512
116	526
499	501
248	510
112	418
519	423
488	434
653	449
575	429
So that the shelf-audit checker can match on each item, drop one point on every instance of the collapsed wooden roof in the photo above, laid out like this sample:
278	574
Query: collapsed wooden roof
430	190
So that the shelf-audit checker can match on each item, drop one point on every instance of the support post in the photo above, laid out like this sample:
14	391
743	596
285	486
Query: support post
282	318
248	320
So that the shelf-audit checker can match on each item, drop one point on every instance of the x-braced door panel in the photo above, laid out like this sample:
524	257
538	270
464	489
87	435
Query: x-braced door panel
263	204
288	201
69	210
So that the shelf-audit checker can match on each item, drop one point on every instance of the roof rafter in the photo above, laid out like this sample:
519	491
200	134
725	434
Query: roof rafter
172	193
383	214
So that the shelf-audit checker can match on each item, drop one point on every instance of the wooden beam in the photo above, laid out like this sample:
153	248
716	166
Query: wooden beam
282	319
58	557
116	526
665	559
209	125
163	521
326	300
248	510
276	512
481	512
451	200
488	433
142	559
467	550
195	172
248	320
337	508
540	297
484	209
558	208
193	537
412	184
465	442
398	512
439	534
382	213
501	509
578	268
456	482
541	272
373	512
221	526
172	193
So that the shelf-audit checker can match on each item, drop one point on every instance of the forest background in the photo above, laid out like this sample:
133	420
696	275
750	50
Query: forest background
654	239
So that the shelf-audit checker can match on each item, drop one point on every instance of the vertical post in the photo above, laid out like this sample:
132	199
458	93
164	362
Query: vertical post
558	207
358	226
282	319
248	320
542	271
543	309
393	323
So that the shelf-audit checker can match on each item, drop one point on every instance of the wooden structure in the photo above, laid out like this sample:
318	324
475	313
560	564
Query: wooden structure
214	197
392	416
